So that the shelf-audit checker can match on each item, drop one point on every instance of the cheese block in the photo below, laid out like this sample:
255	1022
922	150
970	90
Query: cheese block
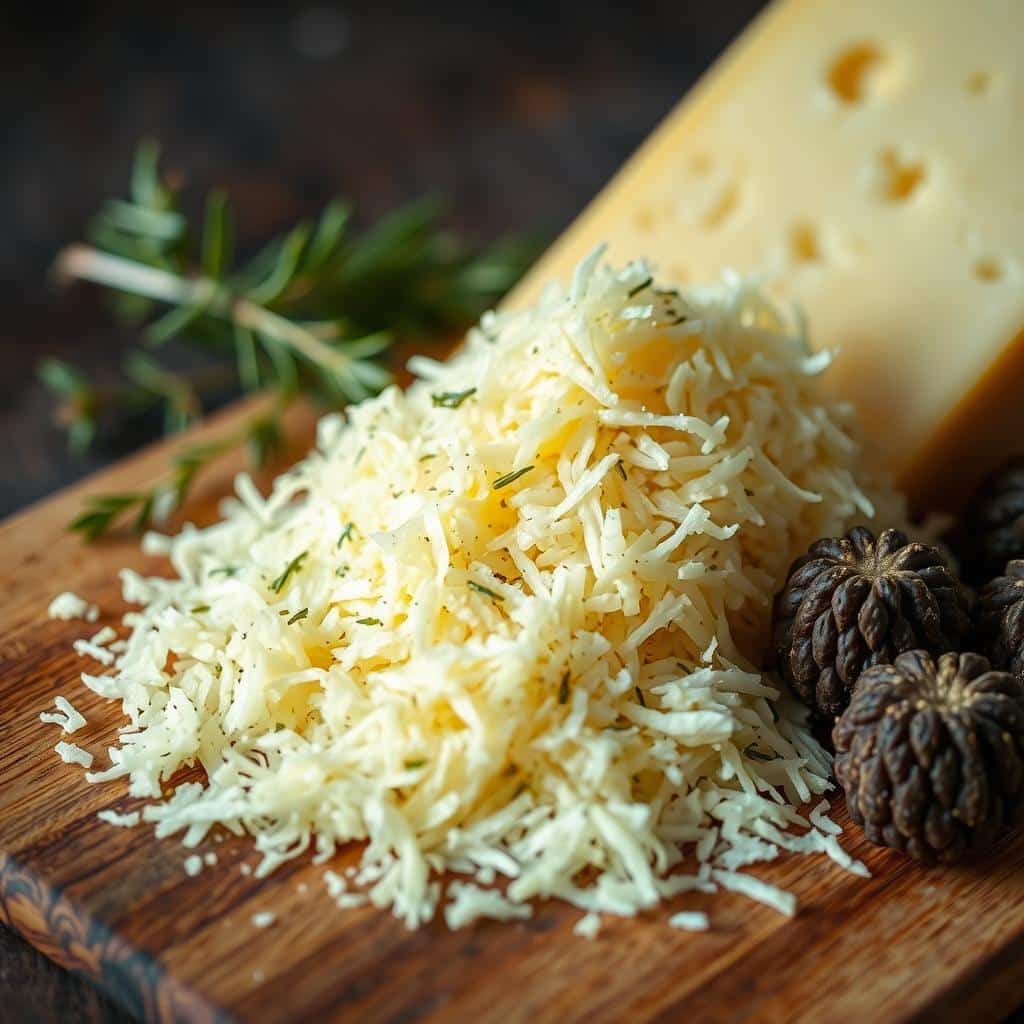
867	159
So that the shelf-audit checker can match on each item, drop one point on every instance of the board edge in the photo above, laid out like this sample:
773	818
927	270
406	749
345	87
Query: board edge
50	921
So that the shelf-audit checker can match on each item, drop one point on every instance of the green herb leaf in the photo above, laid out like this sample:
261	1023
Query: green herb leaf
509	478
751	751
308	315
369	621
292	567
486	591
452	399
102	511
303	613
345	534
218	236
413	765
637	289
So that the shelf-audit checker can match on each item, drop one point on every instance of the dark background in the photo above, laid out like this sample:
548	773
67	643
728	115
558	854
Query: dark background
517	112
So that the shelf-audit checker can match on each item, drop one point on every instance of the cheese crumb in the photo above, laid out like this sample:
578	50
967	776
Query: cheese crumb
209	859
66	716
88	649
69	753
264	919
68	606
689	921
468	902
588	926
121	820
193	865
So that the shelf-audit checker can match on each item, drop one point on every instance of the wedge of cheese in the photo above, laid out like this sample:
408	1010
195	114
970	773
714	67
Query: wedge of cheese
867	160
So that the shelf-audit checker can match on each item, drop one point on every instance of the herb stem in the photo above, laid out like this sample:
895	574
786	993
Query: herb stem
90	264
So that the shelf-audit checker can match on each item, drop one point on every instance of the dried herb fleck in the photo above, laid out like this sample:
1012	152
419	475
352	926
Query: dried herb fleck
486	591
509	478
452	399
292	567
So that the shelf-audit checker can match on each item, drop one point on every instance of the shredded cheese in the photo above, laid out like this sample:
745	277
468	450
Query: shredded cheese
70	753
68	606
128	820
588	926
66	715
690	921
512	636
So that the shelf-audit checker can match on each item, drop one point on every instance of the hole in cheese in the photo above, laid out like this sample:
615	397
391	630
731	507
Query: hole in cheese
804	245
987	270
700	164
723	206
854	72
979	83
899	178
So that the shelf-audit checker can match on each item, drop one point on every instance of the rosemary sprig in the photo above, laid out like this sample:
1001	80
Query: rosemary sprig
309	314
261	435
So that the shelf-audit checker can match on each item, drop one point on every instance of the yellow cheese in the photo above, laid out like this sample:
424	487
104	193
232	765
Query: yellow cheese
868	159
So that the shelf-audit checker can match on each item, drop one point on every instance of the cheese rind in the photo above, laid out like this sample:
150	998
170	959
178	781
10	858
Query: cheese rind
865	160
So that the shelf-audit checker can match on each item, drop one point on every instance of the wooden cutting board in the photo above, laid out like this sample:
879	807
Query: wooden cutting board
116	905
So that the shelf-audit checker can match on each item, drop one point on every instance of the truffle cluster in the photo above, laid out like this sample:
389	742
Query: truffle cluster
925	693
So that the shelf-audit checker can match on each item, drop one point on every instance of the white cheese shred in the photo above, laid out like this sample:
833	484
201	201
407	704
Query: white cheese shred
68	606
689	921
66	716
70	753
588	926
128	820
503	625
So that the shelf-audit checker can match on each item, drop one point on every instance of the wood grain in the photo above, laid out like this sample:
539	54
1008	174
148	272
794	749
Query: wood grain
116	905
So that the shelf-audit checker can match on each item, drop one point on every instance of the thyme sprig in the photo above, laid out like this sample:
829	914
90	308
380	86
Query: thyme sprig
310	314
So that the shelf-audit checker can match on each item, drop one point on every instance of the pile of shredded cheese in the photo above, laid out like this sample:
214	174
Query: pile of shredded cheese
504	623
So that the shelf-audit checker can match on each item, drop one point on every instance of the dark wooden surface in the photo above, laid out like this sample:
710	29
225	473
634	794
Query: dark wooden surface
517	111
